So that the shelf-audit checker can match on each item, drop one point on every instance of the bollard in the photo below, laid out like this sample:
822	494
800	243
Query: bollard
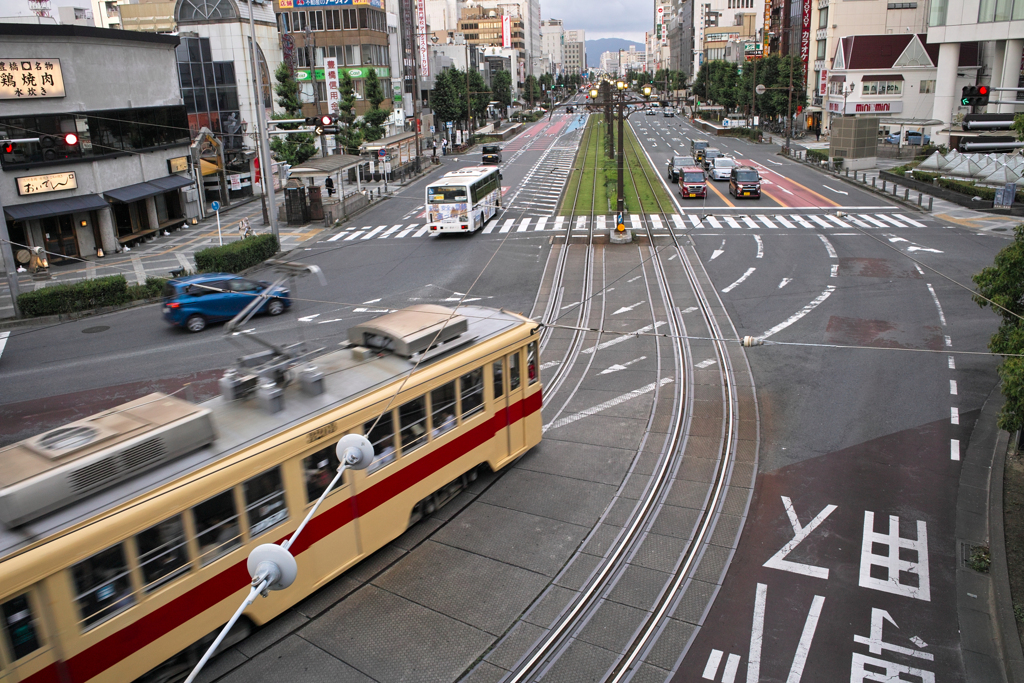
847	173
873	178
906	194
930	203
884	182
920	198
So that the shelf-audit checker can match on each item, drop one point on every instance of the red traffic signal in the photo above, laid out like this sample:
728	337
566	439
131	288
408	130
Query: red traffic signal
326	120
8	147
983	90
70	139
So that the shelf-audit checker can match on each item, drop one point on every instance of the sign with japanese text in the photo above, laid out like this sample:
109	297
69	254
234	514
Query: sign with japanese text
177	164
421	37
285	4
325	3
51	182
506	30
333	83
823	82
30	79
805	34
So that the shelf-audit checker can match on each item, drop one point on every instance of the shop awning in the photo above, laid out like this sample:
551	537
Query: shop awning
55	207
882	77
317	167
133	193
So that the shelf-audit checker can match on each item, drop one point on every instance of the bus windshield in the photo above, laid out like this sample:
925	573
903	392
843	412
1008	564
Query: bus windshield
446	194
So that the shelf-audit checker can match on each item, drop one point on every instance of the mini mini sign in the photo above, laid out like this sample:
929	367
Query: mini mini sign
52	182
30	79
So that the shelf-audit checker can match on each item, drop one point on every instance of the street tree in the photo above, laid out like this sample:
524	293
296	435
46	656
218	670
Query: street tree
481	94
293	148
375	117
349	137
502	84
448	99
531	89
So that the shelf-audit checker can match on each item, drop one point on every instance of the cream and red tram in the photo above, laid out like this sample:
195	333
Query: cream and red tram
124	536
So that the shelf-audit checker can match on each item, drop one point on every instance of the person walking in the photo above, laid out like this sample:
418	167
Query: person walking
444	147
329	184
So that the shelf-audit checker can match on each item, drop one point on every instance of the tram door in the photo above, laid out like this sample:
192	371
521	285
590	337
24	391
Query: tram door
516	423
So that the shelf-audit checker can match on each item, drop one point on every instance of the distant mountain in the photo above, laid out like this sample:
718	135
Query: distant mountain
596	47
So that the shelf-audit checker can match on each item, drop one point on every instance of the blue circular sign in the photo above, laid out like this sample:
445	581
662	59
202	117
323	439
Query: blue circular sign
215	206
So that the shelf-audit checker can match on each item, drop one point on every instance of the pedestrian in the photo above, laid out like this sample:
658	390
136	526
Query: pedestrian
817	132
444	147
329	184
433	148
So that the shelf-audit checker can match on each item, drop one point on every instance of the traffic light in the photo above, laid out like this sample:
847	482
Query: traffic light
975	95
8	147
321	123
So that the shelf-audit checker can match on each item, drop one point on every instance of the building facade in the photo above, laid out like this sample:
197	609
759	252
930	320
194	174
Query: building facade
111	164
487	27
553	44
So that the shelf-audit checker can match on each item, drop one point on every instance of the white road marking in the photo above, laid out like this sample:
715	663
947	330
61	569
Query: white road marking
952	363
750	271
954	449
954	415
800	532
634	279
760	245
718	252
801	313
3	341
422	231
625	309
919	269
332	320
888	559
393	228
508	225
524	225
373	232
952	387
711	668
773	162
928	249
621	338
785	223
615	368
785	281
371	301
935	298
309	318
550	364
705	363
835	270
600	407
949	342
691	309
804	646
732	664
828	247
335	238
757	634
370	310
916	640
835	190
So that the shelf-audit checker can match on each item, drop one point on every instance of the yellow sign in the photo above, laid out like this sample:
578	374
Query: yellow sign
52	182
30	79
285	4
177	164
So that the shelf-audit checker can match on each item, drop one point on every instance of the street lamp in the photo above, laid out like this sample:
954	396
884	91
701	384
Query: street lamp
647	90
620	225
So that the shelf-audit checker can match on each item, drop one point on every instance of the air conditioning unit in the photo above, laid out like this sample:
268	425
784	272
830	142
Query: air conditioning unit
64	465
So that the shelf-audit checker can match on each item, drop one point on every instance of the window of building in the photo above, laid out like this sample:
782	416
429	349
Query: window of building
264	501
382	436
994	10
821	49
20	627
472	392
937	15
350	19
927	86
902	5
514	378
163	552
333	19
412	421
442	409
882	88
352	55
299	21
823	17
217	530
103	585
316	20
284	22
499	378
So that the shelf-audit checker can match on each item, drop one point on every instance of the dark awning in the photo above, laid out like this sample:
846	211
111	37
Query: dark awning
133	193
55	207
882	77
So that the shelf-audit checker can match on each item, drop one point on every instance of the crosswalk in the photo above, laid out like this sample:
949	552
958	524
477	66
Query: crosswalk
660	223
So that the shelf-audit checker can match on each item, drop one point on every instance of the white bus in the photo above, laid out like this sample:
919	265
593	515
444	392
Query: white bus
464	200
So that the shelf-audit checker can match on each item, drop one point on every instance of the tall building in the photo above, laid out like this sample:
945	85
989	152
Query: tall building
575	56
553	43
485	28
528	11
442	15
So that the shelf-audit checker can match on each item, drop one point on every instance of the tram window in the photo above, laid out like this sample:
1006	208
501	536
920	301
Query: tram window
442	408
216	523
320	469
264	501
382	436
103	585
412	420
499	379
531	362
163	552
472	392
20	627
513	372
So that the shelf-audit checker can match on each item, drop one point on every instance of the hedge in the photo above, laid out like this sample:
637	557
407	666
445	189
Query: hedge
817	154
748	133
925	176
237	256
112	290
972	190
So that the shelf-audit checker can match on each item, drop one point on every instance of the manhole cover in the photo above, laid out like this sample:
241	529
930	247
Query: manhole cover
94	330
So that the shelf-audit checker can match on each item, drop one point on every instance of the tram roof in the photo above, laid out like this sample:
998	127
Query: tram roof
240	424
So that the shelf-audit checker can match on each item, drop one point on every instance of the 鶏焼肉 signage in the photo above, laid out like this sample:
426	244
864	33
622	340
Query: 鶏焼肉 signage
30	79
51	182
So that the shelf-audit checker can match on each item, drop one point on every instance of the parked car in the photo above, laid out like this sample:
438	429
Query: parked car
709	154
745	181
676	165
721	167
196	300
693	182
911	138
491	154
697	148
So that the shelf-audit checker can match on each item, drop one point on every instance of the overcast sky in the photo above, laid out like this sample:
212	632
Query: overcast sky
603	18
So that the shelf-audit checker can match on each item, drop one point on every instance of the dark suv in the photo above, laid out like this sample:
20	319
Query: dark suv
745	181
677	164
492	154
697	148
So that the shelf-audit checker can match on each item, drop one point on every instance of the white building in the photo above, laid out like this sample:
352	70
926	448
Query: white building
529	12
553	44
710	17
443	15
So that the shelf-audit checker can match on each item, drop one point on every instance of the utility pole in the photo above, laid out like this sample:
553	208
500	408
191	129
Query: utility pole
621	205
789	106
310	49
262	146
753	95
10	266
469	107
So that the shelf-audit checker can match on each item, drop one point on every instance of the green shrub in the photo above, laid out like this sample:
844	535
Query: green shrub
925	176
981	559
78	296
152	289
968	188
748	133
237	256
817	155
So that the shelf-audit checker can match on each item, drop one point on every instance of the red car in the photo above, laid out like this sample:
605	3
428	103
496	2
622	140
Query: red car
693	182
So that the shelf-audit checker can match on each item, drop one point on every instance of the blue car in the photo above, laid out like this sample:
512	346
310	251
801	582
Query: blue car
192	302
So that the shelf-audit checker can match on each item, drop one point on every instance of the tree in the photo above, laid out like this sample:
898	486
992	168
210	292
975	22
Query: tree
532	89
374	119
293	148
502	84
1001	286
481	96
448	99
350	137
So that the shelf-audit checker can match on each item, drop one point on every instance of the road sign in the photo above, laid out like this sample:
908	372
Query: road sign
450	125
432	130
215	206
760	89
382	152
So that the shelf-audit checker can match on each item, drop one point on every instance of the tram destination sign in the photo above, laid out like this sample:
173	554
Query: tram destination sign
52	182
23	78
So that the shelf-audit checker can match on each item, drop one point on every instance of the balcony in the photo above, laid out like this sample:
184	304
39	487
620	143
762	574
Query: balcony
821	34
822	4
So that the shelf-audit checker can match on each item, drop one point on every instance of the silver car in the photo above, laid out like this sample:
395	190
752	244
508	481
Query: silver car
721	167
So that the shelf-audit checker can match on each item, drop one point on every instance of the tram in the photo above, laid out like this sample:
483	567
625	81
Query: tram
124	536
463	200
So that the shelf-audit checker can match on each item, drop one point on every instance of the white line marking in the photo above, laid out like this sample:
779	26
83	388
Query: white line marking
801	313
785	281
3	341
954	449
309	318
935	298
508	225
373	232
620	366
835	190
335	238
928	249
718	252
952	387
622	338
949	342
541	223
835	270
828	247
705	363
919	269
691	309
954	415
774	162
634	279
422	231
952	363
569	419
711	668
757	634
779	561
524	225
731	666
804	646
750	271
624	309
550	364
760	245
785	223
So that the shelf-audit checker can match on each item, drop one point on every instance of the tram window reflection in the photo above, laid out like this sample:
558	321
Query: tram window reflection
412	419
531	362
442	409
472	395
264	501
320	469
20	627
217	529
162	552
513	372
103	585
499	379
382	436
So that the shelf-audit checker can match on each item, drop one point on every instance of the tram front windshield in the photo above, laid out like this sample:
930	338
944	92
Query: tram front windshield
446	194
